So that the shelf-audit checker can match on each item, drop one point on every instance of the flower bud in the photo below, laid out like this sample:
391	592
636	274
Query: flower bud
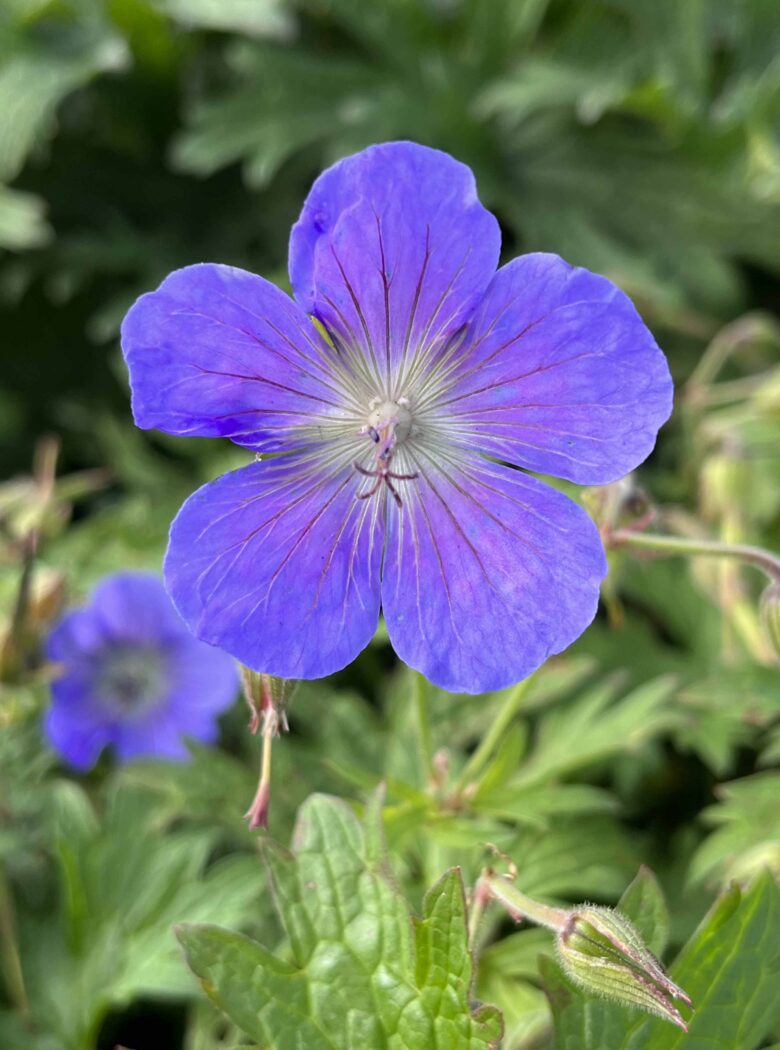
268	698
618	504
602	951
770	615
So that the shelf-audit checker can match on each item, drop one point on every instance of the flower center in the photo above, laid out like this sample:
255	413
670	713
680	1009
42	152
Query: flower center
389	424
131	677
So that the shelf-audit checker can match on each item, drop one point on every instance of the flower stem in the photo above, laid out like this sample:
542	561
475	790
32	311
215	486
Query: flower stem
493	737
480	898
257	814
520	907
669	545
9	951
423	725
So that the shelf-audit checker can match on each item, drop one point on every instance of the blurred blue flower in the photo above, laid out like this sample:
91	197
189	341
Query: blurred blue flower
418	366
131	675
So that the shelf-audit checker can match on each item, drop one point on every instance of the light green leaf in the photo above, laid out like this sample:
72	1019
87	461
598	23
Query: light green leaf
643	902
597	726
576	858
538	804
747	835
508	975
724	712
730	968
359	972
266	19
22	223
39	70
264	996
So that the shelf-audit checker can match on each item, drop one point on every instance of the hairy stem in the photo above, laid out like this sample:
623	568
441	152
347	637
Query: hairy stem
768	563
504	891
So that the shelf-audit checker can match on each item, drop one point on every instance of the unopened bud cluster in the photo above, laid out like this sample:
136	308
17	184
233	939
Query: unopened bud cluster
268	698
599	949
602	951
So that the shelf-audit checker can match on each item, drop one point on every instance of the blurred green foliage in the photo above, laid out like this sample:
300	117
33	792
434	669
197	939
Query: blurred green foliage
639	139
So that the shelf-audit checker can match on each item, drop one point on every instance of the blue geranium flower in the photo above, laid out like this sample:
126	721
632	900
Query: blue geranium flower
406	367
133	676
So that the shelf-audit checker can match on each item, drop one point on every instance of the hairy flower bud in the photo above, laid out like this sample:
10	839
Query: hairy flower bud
618	504
268	698
770	615
602	951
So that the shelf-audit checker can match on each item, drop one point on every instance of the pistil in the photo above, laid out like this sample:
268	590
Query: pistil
389	424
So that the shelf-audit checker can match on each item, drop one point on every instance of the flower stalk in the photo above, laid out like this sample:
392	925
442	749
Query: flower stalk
599	948
268	698
761	559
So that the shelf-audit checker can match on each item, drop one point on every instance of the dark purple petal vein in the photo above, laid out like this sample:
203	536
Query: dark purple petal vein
279	564
219	352
558	373
392	252
487	573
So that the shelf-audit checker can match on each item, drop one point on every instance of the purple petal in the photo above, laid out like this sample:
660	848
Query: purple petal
134	607
278	563
559	374
203	679
392	252
76	724
157	734
219	352
77	634
487	573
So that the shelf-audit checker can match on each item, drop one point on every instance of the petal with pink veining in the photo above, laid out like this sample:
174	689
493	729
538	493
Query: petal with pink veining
278	563
487	573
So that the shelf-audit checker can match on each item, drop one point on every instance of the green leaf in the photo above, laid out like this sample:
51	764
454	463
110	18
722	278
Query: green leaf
444	976
267	998
539	804
730	968
576	858
508	975
286	100
724	712
39	65
643	902
360	972
747	835
124	885
22	223
266	19
596	726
